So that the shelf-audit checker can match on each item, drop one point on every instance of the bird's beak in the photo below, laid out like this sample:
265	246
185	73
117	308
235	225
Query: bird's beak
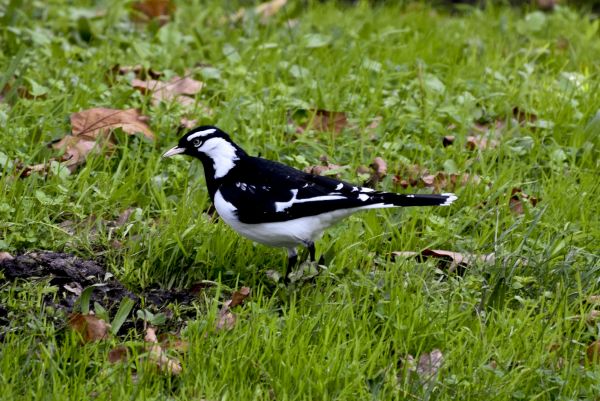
173	151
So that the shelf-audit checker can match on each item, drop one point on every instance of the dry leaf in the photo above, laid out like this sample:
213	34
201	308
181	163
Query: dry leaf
226	320
380	167
415	176
592	316
154	9
89	327
265	10
118	354
481	142
593	299
175	344
593	352
324	167
454	261
429	364
547	5
268	9
158	356
124	217
238	297
517	199
186	123
91	131
322	120
73	287
523	117
176	89
5	256
379	171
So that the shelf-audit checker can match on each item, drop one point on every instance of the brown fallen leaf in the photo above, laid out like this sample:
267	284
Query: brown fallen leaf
170	90
226	319
547	5
264	10
443	181
5	256
517	200
158	356
481	142
524	117
269	8
118	354
91	131
590	318
238	297
178	89
186	123
320	120
90	327
454	261
593	352
124	217
429	364
380	167
323	168
175	344
159	10
379	171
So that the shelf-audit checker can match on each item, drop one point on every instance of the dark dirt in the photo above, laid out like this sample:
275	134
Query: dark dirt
72	274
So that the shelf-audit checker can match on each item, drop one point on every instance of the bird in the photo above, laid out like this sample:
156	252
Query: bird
277	205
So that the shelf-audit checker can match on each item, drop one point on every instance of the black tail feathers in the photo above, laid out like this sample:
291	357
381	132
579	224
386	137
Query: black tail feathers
418	200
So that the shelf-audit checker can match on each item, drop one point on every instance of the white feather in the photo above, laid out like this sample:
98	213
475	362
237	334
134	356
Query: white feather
222	153
201	133
287	234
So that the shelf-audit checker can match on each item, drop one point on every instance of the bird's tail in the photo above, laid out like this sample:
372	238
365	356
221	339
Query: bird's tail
392	199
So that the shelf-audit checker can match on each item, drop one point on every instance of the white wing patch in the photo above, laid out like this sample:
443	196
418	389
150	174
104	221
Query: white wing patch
451	198
364	189
363	197
339	186
201	133
281	206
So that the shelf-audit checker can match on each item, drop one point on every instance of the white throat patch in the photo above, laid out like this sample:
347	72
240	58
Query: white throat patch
222	154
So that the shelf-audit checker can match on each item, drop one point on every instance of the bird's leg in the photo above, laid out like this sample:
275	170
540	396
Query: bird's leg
311	250
292	260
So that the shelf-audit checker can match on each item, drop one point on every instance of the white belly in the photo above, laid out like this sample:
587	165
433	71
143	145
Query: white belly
287	234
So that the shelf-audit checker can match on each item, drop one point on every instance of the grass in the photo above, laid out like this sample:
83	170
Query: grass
508	330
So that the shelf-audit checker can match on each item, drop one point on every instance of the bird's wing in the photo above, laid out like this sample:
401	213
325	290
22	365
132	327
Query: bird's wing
267	191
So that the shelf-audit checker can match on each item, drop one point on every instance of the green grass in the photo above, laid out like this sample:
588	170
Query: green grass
506	330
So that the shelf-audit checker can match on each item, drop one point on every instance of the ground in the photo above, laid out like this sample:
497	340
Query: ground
493	297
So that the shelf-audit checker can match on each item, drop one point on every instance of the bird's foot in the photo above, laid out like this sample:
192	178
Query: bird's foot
306	272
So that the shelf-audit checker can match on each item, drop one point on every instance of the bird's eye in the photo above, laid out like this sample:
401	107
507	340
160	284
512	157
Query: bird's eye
197	142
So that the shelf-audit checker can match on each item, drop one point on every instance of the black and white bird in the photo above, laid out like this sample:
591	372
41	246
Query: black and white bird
277	205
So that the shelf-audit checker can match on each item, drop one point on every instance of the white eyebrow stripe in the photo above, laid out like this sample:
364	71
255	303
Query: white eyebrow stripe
201	133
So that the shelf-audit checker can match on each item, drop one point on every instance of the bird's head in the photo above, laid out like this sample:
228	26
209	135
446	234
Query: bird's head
209	144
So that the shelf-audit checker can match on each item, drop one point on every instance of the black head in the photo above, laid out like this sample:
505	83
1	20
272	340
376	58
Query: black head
192	142
213	147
